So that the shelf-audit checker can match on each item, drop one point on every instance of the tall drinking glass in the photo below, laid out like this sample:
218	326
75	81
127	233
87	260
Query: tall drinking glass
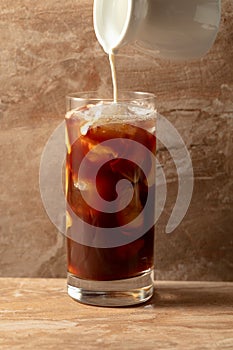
110	193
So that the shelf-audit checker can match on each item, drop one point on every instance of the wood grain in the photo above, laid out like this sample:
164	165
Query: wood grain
38	314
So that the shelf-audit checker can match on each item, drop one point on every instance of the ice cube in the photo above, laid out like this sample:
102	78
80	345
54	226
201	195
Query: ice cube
96	192
127	169
130	216
101	154
92	113
80	185
70	114
104	111
67	141
84	127
140	111
88	190
150	175
68	220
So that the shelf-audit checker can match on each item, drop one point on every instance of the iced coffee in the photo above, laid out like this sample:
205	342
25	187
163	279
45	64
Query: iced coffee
106	143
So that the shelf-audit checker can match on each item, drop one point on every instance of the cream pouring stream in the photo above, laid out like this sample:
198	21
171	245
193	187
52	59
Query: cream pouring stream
113	73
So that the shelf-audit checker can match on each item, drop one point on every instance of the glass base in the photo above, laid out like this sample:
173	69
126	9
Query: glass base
125	292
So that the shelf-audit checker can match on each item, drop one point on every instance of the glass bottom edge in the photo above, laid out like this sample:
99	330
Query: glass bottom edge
116	293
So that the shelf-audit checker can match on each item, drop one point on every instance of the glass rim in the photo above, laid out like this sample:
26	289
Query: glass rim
123	95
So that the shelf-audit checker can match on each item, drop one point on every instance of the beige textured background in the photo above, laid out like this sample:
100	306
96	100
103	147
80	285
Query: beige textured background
48	48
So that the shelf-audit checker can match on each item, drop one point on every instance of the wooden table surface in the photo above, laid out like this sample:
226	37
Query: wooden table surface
38	314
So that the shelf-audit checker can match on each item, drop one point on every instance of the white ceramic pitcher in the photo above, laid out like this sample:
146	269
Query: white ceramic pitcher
174	29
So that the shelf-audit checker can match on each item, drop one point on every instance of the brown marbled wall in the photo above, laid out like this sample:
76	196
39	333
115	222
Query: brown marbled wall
48	48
